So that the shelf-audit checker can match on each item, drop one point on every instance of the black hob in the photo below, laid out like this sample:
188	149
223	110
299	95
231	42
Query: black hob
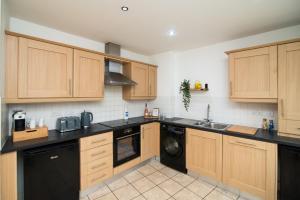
121	123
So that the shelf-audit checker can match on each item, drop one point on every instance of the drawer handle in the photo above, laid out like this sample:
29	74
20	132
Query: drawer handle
244	143
100	165
54	157
99	153
95	179
98	141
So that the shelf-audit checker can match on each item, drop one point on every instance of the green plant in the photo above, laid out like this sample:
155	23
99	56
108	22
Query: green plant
186	95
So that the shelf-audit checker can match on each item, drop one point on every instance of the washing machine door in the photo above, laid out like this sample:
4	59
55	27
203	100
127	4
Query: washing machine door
172	147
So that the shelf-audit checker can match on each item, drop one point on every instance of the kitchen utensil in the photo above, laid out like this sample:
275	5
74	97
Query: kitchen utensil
64	124
19	120
242	129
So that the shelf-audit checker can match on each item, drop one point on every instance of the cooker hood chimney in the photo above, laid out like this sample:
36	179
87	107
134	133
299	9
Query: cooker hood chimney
115	78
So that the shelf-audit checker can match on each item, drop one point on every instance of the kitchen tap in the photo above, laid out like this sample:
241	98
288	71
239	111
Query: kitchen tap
207	115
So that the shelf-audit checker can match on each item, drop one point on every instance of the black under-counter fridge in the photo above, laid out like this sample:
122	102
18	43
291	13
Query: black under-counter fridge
289	173
52	172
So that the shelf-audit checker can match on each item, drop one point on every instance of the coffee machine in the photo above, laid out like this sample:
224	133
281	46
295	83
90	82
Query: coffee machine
19	120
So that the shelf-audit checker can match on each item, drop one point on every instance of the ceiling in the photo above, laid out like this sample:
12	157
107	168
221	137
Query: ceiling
144	28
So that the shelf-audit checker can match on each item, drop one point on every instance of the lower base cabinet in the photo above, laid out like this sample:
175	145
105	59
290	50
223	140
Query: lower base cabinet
150	140
250	166
8	176
204	153
96	159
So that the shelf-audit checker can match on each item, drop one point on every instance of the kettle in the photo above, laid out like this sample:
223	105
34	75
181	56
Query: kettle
86	119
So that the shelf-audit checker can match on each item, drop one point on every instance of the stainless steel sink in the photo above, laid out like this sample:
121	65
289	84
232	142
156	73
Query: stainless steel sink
212	125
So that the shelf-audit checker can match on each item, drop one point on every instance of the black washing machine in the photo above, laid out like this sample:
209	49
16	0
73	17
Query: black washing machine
172	147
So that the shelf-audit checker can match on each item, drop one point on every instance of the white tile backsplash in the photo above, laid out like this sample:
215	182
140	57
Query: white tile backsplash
110	108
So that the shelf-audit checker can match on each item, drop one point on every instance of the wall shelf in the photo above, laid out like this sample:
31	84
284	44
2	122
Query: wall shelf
197	90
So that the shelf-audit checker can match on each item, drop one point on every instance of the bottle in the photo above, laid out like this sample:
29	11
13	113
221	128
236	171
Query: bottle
126	114
265	124
271	125
146	112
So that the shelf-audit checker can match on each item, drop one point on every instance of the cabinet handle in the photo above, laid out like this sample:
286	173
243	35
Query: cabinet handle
95	179
245	143
150	92
100	165
70	87
99	153
231	88
98	141
282	108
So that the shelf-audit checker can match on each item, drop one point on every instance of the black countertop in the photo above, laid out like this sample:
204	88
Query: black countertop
57	137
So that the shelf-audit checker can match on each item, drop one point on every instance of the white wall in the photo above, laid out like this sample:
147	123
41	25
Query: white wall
3	107
209	65
112	107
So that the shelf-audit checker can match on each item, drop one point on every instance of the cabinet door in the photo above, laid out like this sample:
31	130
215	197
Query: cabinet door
8	174
152	81
253	73
250	166
289	88
45	70
140	76
149	141
204	153
88	74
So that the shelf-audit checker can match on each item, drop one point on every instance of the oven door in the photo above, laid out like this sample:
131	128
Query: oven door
126	147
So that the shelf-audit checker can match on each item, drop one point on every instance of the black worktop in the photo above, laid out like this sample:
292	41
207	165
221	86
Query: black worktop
102	127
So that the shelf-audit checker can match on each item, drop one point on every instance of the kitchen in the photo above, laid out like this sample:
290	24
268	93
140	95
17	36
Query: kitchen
172	149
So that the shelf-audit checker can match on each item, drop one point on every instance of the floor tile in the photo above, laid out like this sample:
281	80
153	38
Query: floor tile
156	164
157	177
127	192
84	198
143	185
170	186
200	188
217	195
116	184
109	196
99	193
183	179
186	195
133	176
169	172
155	194
227	193
139	198
146	170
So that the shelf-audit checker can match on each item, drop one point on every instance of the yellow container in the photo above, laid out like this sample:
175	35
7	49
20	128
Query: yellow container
198	85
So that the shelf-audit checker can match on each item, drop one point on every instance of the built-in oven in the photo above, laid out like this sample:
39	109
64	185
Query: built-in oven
126	144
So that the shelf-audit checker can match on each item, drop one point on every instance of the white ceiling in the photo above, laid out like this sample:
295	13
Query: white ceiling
144	27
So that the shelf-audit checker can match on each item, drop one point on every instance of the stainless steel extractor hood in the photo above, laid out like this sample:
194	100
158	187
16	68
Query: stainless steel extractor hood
115	78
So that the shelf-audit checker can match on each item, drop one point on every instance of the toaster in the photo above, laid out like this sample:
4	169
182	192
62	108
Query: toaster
64	124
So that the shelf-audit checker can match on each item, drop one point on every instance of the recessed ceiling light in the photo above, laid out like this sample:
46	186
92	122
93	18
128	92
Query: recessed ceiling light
172	33
124	8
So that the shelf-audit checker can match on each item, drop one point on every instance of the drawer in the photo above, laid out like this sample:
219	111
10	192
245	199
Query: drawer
100	164
99	176
95	141
245	142
96	153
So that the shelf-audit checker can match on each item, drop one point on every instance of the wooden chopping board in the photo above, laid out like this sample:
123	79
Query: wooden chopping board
242	129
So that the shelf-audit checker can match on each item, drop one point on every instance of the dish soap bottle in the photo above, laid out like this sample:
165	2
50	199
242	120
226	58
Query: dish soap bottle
126	114
146	112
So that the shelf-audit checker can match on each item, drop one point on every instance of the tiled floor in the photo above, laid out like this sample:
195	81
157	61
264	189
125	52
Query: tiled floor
154	181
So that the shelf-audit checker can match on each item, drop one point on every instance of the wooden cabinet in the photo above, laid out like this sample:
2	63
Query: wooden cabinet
145	76
204	153
149	140
96	159
289	89
45	70
253	75
250	166
8	176
152	81
88	74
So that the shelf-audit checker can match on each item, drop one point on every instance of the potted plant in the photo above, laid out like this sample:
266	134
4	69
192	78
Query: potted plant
186	95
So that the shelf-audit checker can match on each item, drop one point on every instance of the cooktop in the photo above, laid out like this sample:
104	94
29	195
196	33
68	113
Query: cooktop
121	123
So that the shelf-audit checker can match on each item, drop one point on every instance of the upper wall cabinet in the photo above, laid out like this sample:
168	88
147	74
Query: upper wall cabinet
45	70
289	89
145	76
253	75
88	74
